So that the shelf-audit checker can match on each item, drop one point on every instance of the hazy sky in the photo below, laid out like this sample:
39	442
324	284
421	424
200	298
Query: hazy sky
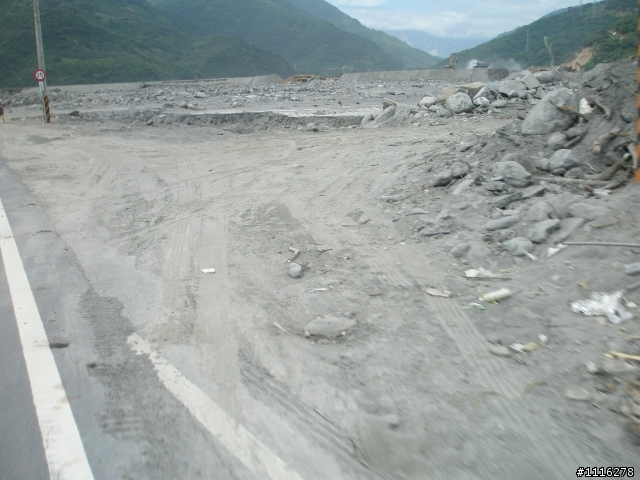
451	18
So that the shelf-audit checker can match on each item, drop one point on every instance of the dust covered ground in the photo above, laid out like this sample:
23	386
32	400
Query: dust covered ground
379	361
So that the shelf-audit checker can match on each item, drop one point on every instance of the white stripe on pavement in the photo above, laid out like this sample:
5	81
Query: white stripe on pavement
63	447
247	448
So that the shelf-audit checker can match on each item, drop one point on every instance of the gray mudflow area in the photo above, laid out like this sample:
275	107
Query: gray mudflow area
376	359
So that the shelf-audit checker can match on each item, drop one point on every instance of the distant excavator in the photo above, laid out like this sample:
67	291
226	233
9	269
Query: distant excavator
454	60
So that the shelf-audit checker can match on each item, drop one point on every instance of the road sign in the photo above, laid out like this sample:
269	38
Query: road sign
39	75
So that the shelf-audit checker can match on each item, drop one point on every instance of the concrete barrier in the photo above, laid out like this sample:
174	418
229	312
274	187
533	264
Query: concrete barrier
447	75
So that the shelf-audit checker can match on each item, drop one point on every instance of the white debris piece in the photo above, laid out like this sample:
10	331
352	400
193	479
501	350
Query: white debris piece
585	108
607	304
208	270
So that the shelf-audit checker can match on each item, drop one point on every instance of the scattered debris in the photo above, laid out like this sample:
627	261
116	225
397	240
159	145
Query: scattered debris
208	270
607	304
434	292
496	296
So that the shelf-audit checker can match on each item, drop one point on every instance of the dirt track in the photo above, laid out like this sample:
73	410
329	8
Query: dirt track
412	391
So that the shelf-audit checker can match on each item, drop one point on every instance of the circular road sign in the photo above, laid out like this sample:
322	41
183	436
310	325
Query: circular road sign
39	75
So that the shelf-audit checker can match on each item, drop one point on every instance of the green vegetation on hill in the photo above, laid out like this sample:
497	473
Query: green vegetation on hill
619	41
567	32
98	41
409	57
310	44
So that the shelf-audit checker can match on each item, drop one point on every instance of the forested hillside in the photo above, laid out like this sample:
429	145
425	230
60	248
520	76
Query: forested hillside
310	44
409	57
568	32
96	41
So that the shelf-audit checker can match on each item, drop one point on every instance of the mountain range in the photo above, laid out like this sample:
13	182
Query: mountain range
98	41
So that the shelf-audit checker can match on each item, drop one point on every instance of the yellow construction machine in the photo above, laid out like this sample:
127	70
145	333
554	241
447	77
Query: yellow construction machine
453	61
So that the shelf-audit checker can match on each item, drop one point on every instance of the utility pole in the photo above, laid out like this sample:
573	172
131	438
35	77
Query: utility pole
43	84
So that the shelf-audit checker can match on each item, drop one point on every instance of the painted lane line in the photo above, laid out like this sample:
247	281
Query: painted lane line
237	439
63	447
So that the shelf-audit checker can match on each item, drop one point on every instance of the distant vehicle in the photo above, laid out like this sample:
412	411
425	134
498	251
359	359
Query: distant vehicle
453	61
480	64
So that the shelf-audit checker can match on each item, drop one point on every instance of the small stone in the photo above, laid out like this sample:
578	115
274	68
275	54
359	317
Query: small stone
329	327
494	186
504	202
500	351
518	246
460	250
502	223
295	270
386	114
459	170
540	231
543	340
592	368
442	179
565	159
459	102
534	191
427	101
557	140
512	173
577	394
478	252
574	173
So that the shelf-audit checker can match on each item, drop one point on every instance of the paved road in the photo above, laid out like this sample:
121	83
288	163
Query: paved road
129	424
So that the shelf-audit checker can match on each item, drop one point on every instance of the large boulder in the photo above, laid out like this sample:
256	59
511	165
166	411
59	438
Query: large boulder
447	92
459	103
530	81
484	92
548	76
508	86
473	88
546	117
386	114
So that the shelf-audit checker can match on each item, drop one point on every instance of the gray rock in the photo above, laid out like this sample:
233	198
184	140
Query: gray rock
497	187
366	119
549	76
568	226
565	159
459	102
473	88
540	93
460	250
546	117
329	327
442	179
481	102
444	113
295	270
502	223
576	131
459	170
484	92
500	351
557	140
200	95
541	230
499	104
530	81
427	101
386	114
504	202
386	103
534	191
447	92
540	211
587	212
575	172
462	186
541	163
512	173
477	253
508	86
518	246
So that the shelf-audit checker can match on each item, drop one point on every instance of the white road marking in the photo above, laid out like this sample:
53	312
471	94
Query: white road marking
247	448
62	444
